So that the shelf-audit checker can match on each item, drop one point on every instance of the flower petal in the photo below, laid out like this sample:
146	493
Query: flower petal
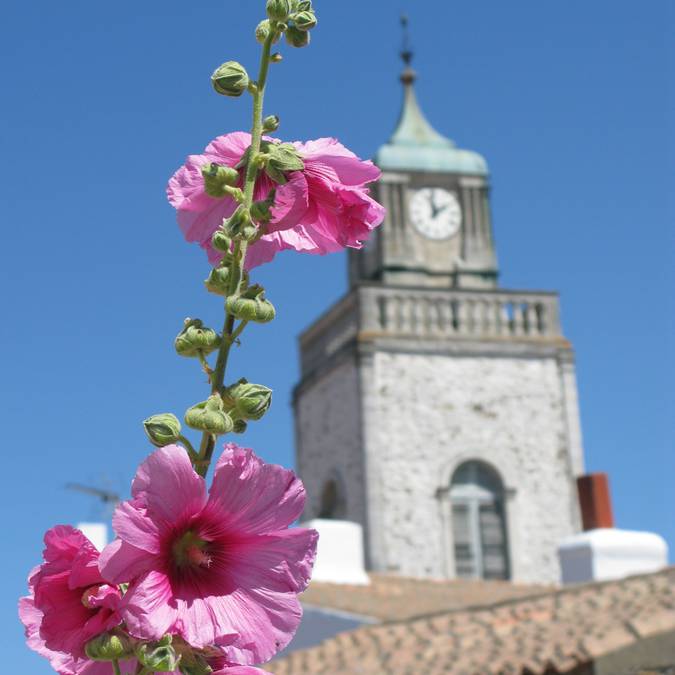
331	153
121	562
148	607
290	203
169	486
253	496
131	523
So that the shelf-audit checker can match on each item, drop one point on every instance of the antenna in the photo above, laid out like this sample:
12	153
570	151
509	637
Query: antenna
108	498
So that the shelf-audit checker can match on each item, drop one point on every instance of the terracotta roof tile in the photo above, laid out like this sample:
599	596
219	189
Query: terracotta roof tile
553	631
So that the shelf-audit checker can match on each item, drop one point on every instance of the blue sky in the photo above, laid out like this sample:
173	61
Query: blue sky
102	101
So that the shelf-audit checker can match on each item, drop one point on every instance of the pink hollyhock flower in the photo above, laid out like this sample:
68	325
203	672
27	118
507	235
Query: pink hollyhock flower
69	597
64	664
221	569
321	209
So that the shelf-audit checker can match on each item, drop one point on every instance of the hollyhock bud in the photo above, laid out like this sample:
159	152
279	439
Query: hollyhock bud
239	224
158	656
251	305
262	32
240	427
296	37
194	664
271	123
304	6
304	20
108	647
209	416
218	281
195	338
278	10
230	79
217	178
251	401
261	211
162	429
221	242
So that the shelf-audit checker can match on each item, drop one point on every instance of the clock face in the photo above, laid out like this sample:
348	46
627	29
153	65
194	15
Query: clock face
435	213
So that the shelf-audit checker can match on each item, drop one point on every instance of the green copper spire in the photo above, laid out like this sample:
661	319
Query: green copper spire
415	144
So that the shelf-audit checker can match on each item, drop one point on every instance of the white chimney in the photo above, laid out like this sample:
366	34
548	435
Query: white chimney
339	558
603	552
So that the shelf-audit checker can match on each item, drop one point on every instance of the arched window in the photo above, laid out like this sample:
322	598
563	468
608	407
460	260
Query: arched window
479	522
332	501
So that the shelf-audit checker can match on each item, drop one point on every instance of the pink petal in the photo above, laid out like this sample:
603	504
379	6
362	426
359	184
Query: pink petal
290	203
132	524
84	571
280	562
121	562
253	496
230	148
148	607
331	153
204	621
266	622
241	670
169	486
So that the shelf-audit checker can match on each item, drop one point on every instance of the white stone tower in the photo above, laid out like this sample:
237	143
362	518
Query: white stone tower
434	408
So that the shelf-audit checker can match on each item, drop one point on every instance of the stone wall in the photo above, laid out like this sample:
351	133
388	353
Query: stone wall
429	413
328	439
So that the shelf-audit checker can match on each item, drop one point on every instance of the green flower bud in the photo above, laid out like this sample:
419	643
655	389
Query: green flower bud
217	178
284	157
230	79
278	10
108	647
159	656
221	242
260	211
218	281
194	664
262	31
162	429
195	338
304	6
251	305
296	37
239	427
238	223
304	20
251	401
271	123
209	416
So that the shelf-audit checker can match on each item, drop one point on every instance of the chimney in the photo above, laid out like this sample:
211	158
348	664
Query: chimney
595	502
601	551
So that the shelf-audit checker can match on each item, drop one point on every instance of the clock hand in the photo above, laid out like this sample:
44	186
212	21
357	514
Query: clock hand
432	204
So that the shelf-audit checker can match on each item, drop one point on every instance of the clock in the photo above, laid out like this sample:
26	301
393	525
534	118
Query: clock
435	213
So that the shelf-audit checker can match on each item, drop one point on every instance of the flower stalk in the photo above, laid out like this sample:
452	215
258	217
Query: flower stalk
230	333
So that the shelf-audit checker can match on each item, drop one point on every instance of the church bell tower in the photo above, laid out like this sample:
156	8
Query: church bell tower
436	409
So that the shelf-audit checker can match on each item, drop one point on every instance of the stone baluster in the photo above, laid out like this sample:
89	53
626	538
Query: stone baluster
518	318
531	318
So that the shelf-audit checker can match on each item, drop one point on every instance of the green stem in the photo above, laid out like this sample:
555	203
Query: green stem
188	446
239	253
116	667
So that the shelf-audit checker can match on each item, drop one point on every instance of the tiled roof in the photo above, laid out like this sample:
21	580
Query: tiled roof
393	598
552	632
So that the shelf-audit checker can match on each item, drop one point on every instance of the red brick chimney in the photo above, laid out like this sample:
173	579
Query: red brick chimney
595	501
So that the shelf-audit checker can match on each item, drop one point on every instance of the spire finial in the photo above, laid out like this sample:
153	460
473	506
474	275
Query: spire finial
408	75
